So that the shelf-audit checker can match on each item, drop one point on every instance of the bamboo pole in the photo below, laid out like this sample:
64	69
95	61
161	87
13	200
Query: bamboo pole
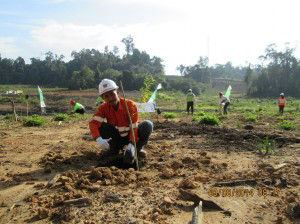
197	214
131	128
14	110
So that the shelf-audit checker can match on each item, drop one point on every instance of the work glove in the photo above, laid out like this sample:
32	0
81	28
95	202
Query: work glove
129	154
103	143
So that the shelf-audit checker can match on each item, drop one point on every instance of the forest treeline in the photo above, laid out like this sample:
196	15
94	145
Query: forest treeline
279	72
88	67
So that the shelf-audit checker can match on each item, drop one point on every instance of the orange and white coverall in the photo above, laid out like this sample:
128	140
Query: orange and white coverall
117	118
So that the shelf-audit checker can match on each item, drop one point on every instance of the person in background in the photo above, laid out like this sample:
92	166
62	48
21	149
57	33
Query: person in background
223	101
190	99
77	107
99	100
110	125
281	103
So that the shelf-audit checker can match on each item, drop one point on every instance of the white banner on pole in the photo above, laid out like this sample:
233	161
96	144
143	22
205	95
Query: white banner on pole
146	107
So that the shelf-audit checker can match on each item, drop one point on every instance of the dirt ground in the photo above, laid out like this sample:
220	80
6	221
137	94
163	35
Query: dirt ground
56	174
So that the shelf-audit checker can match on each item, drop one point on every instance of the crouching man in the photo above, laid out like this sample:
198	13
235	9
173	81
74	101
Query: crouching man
110	125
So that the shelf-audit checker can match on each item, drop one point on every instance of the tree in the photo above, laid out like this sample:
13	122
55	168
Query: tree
199	72
19	70
82	79
280	73
181	69
129	45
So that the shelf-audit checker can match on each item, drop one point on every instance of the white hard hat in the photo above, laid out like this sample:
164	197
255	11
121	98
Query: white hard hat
107	85
281	94
190	90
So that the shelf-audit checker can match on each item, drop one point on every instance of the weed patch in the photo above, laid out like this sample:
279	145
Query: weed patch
287	125
209	120
34	120
251	118
169	115
9	117
61	117
266	147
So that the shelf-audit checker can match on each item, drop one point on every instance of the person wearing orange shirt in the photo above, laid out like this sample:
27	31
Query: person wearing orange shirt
110	125
281	103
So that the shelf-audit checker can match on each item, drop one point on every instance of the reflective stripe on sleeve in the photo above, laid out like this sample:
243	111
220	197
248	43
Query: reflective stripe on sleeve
120	129
100	119
135	125
124	134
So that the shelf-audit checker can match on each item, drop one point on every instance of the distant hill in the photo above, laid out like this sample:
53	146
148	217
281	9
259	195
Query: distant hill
222	84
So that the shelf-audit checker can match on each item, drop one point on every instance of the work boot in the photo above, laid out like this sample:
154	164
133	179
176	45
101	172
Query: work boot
129	156
142	154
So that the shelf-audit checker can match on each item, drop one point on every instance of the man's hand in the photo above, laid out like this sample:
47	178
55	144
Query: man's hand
129	154
103	143
130	147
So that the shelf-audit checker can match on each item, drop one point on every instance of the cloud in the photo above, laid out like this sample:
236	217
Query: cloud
66	37
7	46
223	30
168	40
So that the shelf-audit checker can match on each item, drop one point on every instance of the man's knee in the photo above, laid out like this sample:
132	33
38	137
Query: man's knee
145	129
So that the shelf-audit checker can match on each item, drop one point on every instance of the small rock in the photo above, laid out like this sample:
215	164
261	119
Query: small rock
43	213
157	210
224	165
167	200
187	184
111	198
203	154
293	182
293	210
201	178
205	161
132	178
248	127
291	199
279	220
171	136
155	215
168	173
40	185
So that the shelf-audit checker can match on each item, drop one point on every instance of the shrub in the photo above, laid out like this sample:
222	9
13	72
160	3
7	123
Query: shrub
266	147
287	125
209	120
169	115
8	117
34	120
61	117
251	118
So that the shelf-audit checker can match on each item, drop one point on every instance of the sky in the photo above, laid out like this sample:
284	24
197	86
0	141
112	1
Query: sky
177	31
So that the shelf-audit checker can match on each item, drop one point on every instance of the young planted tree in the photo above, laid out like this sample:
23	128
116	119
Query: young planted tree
145	91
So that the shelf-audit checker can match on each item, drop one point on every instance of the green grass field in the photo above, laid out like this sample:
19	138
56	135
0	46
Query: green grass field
241	110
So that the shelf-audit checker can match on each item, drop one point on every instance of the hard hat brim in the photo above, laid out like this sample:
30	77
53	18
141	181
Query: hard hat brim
109	89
